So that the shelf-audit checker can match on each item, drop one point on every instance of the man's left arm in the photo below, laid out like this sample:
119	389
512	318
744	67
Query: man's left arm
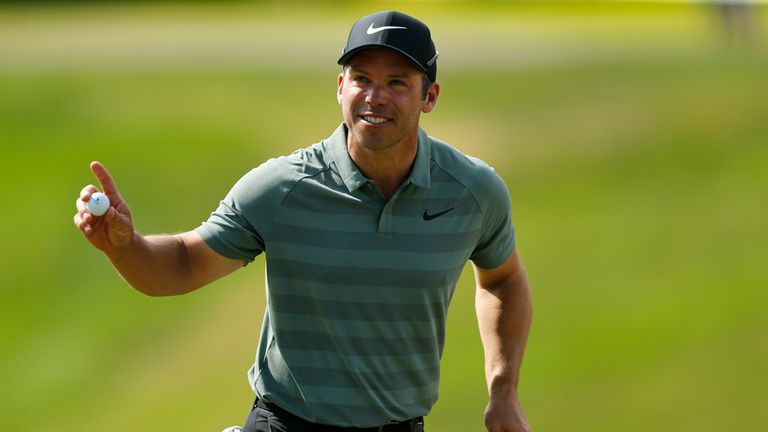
503	307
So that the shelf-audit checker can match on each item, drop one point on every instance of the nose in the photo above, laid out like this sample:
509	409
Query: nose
376	95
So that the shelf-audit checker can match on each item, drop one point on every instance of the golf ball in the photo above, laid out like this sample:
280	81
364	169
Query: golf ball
98	204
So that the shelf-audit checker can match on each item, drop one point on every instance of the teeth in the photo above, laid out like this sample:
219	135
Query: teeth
375	120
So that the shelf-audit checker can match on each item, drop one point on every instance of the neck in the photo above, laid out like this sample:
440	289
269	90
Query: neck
388	167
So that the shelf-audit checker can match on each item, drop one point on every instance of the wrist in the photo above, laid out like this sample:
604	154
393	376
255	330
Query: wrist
123	244
502	387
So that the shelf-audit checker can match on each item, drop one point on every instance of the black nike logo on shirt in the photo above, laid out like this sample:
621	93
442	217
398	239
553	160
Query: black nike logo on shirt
428	217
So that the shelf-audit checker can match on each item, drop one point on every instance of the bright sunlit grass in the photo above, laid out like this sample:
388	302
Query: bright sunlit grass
632	141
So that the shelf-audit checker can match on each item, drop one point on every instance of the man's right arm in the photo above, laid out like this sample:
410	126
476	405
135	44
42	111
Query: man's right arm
160	265
166	265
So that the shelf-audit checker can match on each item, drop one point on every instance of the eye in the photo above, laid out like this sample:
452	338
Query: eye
397	82
360	79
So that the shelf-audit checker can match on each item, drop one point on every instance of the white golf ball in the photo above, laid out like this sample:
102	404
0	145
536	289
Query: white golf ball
98	204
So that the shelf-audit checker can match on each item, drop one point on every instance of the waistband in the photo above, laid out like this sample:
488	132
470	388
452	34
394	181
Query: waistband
412	425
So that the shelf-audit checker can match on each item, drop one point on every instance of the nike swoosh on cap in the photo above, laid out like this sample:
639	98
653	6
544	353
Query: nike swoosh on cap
372	30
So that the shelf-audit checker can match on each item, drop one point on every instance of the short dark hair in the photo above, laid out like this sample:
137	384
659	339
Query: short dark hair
426	83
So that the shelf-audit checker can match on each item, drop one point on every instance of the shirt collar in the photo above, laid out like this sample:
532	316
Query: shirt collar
354	179
422	166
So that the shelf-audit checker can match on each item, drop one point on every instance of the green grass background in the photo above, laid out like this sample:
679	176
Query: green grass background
633	138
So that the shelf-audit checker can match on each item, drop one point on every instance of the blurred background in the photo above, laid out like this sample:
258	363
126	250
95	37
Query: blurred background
633	137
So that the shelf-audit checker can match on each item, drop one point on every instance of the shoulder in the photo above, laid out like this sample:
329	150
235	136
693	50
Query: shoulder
480	179
274	178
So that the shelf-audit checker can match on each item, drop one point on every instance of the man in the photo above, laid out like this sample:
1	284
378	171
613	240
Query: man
365	235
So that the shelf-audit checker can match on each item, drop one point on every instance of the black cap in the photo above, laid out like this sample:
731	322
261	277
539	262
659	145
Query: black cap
398	31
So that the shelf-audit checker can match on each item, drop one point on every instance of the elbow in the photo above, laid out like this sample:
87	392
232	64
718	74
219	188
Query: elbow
151	291
155	293
158	289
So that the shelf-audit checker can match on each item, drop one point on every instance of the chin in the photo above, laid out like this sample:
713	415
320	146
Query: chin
374	144
371	140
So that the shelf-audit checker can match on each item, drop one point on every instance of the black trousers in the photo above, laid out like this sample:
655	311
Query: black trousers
265	417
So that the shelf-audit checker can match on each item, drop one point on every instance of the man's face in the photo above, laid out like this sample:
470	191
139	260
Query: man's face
380	92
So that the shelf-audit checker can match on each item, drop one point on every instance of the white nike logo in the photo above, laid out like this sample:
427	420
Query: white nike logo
371	30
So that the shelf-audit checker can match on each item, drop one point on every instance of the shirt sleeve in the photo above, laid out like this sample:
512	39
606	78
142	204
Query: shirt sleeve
228	232
497	239
238	226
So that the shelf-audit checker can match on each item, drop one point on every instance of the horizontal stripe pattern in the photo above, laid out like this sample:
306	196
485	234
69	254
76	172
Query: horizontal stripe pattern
415	208
358	287
402	225
390	381
345	240
404	364
359	313
394	260
357	346
409	207
315	197
356	311
353	397
370	277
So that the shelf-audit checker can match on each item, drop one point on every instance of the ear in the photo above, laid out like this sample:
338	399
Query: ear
339	85
430	102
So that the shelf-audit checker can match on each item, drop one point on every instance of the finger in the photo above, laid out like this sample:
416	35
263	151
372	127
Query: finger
82	225
105	180
81	205
85	195
86	192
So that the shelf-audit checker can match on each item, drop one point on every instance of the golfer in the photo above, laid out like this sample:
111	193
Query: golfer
365	235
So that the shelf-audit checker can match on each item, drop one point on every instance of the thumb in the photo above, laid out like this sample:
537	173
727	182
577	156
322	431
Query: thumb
119	224
120	231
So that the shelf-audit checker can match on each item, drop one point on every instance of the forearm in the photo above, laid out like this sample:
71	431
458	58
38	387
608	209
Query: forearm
504	317
155	265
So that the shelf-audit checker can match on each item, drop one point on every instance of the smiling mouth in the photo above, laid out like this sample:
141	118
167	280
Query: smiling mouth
374	119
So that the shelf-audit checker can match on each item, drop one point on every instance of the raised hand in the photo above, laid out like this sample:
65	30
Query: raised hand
112	230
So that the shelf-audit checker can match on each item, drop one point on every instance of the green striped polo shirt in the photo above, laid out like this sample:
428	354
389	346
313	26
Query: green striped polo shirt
358	286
